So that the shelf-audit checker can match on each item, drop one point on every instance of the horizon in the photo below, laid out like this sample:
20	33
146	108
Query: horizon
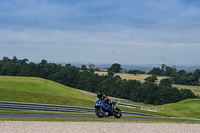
125	67
98	63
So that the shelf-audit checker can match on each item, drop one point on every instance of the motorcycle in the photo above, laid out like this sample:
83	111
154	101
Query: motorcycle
103	109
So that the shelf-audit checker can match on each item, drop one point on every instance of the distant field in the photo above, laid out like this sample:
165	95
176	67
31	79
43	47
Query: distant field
139	77
195	89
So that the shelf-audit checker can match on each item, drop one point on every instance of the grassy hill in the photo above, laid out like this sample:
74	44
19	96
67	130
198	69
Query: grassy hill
187	108
37	90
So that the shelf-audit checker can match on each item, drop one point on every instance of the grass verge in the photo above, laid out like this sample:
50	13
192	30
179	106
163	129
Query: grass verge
187	108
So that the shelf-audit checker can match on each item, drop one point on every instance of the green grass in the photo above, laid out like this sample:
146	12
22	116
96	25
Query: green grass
37	90
187	108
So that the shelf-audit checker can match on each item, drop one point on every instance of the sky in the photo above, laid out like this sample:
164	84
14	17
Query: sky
101	31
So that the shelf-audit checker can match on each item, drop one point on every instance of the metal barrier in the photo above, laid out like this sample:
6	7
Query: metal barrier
41	107
129	105
54	108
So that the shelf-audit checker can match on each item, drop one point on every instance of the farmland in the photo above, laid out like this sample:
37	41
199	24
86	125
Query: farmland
195	89
139	77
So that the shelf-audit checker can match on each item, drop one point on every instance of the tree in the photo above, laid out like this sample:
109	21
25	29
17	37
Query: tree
152	79
197	73
117	77
186	94
163	69
182	72
176	79
68	66
110	73
155	71
168	94
6	59
24	61
169	71
43	62
115	68
15	60
83	67
135	72
91	66
165	82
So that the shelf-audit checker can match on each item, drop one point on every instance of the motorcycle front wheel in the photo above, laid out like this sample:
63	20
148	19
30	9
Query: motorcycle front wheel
117	113
99	112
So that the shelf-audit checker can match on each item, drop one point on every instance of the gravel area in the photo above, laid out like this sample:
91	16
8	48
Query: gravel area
95	127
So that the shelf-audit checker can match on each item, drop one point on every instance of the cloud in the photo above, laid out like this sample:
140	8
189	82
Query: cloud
143	31
126	37
191	12
93	14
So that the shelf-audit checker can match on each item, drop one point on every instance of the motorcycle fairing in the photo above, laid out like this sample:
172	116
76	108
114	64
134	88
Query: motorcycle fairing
104	105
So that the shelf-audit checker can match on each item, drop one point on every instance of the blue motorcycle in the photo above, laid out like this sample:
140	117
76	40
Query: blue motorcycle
104	109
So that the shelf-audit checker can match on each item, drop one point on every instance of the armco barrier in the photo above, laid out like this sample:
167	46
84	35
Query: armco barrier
41	107
129	105
54	108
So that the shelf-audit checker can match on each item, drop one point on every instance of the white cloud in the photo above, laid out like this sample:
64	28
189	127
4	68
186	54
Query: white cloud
131	37
60	45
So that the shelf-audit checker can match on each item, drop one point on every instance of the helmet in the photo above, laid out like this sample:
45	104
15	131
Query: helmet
99	94
104	97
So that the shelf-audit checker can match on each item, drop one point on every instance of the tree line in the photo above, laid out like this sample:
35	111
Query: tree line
84	78
177	77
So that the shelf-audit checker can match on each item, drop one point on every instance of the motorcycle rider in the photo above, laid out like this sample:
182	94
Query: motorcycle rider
104	98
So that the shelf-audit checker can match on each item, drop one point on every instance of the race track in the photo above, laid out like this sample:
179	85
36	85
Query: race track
10	115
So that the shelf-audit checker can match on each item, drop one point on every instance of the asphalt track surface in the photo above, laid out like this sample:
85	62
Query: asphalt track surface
10	115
